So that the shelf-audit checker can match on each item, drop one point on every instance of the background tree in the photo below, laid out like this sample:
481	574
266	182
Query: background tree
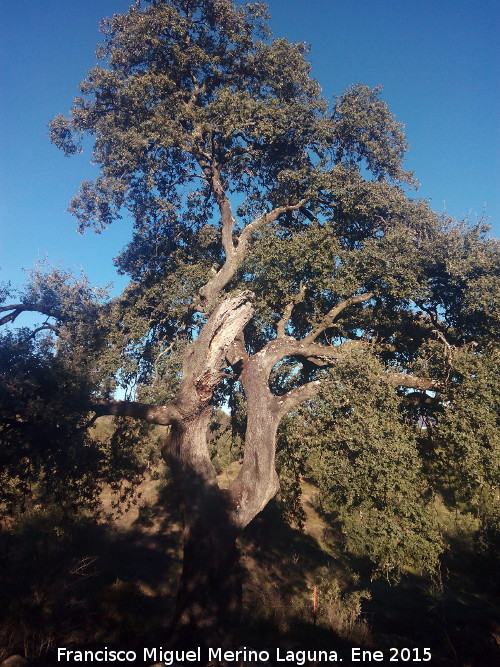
48	454
275	255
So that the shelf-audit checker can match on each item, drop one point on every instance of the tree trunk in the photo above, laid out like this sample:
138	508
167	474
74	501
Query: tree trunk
208	605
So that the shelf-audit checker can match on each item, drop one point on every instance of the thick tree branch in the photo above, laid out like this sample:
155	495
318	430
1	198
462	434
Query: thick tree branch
17	309
237	352
51	327
320	355
413	381
160	355
13	306
233	261
332	314
211	172
11	316
258	223
226	213
430	312
164	415
296	396
323	355
205	358
257	481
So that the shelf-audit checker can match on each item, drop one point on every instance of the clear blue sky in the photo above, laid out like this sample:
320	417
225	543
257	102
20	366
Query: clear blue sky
437	61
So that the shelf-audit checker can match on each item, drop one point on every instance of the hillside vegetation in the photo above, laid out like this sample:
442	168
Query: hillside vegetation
91	581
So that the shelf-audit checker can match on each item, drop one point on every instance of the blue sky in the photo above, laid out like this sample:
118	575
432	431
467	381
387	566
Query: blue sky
436	60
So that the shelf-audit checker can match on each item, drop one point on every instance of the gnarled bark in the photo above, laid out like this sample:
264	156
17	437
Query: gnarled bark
209	595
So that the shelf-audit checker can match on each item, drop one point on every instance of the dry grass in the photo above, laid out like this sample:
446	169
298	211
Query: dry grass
100	582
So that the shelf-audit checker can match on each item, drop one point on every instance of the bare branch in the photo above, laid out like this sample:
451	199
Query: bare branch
205	358
324	355
50	327
17	309
320	355
442	338
13	306
161	354
430	312
413	381
226	213
11	316
332	314
297	396
212	175
287	313
236	256
258	223
89	423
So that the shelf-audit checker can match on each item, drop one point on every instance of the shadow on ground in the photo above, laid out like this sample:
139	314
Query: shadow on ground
87	585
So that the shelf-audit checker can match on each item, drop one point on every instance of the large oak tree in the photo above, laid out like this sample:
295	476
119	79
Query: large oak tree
276	257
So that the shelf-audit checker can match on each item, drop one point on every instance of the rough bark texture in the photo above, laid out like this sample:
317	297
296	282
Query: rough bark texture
209	595
194	107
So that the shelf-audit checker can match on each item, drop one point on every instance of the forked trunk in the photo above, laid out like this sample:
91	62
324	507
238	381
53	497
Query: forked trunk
208	605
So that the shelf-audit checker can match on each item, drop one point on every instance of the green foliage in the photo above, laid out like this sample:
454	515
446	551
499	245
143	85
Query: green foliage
186	90
365	462
464	444
180	80
291	460
469	427
224	443
45	448
339	606
367	132
464	285
44	581
48	454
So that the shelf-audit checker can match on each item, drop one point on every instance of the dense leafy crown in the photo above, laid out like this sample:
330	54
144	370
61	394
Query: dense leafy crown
195	107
